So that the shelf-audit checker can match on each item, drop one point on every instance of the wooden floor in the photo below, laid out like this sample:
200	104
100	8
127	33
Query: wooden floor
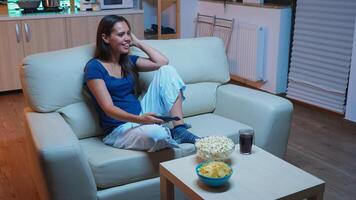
15	179
321	143
324	144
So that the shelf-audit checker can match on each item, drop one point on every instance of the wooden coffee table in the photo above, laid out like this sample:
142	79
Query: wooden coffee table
260	175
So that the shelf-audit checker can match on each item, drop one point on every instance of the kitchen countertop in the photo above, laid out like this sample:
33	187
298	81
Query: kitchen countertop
262	5
17	15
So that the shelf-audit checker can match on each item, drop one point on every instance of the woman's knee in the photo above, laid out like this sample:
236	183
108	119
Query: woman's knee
169	76
168	69
154	132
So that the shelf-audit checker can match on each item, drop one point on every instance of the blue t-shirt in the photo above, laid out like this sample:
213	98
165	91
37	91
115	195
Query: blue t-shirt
121	91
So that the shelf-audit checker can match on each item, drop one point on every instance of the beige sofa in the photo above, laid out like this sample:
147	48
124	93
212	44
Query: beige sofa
68	158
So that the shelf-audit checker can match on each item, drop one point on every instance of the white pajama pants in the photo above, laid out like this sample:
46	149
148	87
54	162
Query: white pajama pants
160	97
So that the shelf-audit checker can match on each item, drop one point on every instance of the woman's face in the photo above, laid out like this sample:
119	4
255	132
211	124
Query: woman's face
120	38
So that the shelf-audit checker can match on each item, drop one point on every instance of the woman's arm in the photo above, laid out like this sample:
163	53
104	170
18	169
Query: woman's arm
98	88
155	58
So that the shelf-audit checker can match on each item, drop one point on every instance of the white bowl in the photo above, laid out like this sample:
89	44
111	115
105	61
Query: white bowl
217	148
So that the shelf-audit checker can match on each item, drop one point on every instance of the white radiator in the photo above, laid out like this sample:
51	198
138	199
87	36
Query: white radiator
247	52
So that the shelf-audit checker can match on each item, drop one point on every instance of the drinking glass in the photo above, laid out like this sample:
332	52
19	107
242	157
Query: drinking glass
246	140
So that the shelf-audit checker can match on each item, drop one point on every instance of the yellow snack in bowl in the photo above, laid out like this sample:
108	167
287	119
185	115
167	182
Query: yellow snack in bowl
215	169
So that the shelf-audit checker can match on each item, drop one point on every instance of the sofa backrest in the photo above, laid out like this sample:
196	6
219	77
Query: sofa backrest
196	60
53	81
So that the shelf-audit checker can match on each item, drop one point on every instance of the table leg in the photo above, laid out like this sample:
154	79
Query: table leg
167	188
317	197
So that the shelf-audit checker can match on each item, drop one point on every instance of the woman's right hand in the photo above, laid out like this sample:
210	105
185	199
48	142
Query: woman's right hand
135	41
149	118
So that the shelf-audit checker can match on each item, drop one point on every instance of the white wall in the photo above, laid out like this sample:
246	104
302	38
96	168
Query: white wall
351	92
150	12
278	25
189	11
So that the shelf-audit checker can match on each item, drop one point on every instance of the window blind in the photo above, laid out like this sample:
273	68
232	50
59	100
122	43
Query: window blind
321	52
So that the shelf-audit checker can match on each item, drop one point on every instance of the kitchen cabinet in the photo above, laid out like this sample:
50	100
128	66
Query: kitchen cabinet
82	30
11	55
42	35
20	38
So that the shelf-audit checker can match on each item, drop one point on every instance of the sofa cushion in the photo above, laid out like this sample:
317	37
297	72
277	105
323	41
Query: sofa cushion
82	118
196	59
134	166
52	80
138	165
200	98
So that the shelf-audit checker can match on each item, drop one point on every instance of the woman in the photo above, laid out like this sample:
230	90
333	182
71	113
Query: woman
112	79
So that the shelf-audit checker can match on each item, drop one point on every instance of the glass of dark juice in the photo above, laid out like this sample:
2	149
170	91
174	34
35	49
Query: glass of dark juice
246	140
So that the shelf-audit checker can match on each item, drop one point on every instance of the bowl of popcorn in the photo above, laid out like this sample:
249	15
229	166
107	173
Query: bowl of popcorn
214	173
216	148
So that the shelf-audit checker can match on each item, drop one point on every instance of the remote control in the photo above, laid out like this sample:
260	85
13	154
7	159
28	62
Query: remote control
168	118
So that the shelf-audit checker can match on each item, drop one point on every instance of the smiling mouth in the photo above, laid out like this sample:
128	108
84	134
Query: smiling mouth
126	45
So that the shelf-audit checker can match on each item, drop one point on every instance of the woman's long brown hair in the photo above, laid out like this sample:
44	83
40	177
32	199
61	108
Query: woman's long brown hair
103	50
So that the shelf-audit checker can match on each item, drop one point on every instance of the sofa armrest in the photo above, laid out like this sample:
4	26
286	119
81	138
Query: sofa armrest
58	164
269	115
